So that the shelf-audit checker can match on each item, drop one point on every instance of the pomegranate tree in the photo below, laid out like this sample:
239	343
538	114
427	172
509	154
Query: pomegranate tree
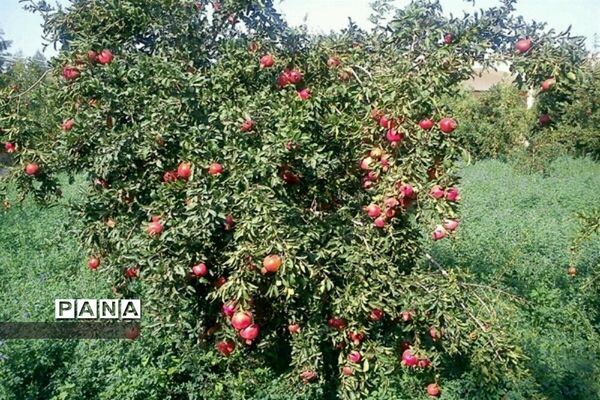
306	173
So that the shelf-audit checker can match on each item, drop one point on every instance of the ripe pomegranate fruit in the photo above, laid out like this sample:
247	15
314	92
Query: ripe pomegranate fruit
105	57
354	357
386	122
155	227
283	79
409	359
434	333
547	84
272	263
304	94
9	147
423	363
438	233
67	125
437	192
32	169
376	314
451	224
379	222
289	177
426	124
170	176
220	281
433	390
294	328
295	77
199	270
393	136
225	347
544	119
131	272
373	210
347	371
406	316
452	194
132	332
250	333
523	45
229	223
308	376
184	171
229	308
93	263
215	169
365	163
447	125
406	191
241	320
267	61
247	126
337	323
70	73
356	337
448	38
391	202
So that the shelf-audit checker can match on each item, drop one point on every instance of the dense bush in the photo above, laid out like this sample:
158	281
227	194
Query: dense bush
213	147
497	124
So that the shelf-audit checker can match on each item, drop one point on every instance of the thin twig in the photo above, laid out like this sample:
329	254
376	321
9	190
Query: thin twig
34	85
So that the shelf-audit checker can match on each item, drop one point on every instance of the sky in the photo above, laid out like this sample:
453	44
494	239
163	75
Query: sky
24	30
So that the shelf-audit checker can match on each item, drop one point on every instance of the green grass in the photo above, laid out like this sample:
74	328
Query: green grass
39	262
515	234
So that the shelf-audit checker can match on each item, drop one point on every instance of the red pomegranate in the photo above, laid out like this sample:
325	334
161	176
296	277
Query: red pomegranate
67	124
409	359
184	171
376	314
373	210
229	308
354	357
250	333
9	147
32	169
225	347
199	270
437	192
523	45
93	263
433	390
447	125
241	320
426	124
105	57
267	61
215	169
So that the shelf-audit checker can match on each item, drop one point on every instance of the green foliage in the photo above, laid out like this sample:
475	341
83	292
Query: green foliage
177	86
495	123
